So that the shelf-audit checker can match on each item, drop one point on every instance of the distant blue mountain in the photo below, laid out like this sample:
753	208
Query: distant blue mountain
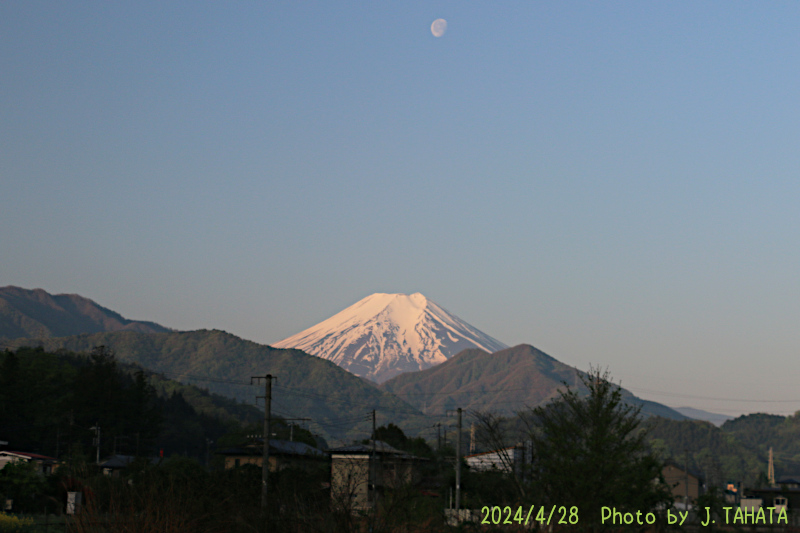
699	414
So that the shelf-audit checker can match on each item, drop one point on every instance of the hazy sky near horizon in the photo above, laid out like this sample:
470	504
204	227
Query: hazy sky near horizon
616	183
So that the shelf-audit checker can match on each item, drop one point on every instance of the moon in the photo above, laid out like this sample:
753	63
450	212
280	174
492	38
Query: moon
438	27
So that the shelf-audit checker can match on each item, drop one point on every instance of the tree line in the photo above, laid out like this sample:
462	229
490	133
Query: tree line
51	404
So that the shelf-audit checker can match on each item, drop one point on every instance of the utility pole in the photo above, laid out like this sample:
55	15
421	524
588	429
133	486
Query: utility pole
771	469
472	438
373	477
458	463
458	460
686	499
291	426
96	439
374	467
265	459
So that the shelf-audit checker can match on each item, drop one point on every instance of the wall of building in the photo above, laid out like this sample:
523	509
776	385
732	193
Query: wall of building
676	479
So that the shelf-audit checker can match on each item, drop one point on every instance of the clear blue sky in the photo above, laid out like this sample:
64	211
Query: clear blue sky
616	183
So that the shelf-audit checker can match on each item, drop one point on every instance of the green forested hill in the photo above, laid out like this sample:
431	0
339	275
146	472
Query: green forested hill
761	432
737	451
718	455
503	382
306	386
49	403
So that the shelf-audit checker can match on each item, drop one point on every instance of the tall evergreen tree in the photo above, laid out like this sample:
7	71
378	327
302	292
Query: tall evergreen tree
591	452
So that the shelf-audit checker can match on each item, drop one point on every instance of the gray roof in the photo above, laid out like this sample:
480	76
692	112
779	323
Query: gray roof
283	447
121	461
380	447
295	448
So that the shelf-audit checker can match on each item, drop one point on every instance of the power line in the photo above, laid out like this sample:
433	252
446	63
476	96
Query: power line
699	397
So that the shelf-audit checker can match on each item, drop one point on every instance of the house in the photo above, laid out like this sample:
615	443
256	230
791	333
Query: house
676	478
282	454
46	465
116	463
507	460
780	498
777	497
789	483
362	473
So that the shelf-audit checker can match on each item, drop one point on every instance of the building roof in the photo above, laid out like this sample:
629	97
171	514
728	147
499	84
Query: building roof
295	448
365	449
692	472
507	448
122	461
34	456
279	447
773	489
117	461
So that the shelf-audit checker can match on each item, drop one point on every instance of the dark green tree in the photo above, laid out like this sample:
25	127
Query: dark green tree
591	451
12	393
145	416
21	482
99	392
394	436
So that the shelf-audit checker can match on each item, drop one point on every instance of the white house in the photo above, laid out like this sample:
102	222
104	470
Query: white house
505	460
45	464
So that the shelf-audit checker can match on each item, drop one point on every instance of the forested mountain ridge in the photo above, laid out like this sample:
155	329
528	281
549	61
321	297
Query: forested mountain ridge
306	386
718	455
760	432
49	404
503	382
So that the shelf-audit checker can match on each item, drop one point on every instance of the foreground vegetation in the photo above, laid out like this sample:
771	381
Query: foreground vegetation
50	403
587	450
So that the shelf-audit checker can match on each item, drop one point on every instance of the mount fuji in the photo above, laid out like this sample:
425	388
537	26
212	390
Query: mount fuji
384	335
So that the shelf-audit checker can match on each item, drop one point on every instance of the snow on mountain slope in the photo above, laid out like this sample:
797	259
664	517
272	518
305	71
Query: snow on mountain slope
387	334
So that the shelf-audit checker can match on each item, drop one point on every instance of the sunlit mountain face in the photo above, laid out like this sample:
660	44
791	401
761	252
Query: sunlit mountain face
384	335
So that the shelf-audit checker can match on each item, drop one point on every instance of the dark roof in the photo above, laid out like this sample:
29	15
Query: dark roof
773	489
38	457
295	448
279	447
692	471
121	461
380	447
240	450
788	481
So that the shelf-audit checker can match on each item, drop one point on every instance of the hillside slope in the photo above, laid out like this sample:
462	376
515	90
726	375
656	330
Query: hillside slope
502	382
39	314
718	455
49	401
306	386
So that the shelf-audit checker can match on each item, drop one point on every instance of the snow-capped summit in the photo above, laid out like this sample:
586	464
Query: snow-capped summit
387	334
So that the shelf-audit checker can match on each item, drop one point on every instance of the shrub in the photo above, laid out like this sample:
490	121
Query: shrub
12	524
